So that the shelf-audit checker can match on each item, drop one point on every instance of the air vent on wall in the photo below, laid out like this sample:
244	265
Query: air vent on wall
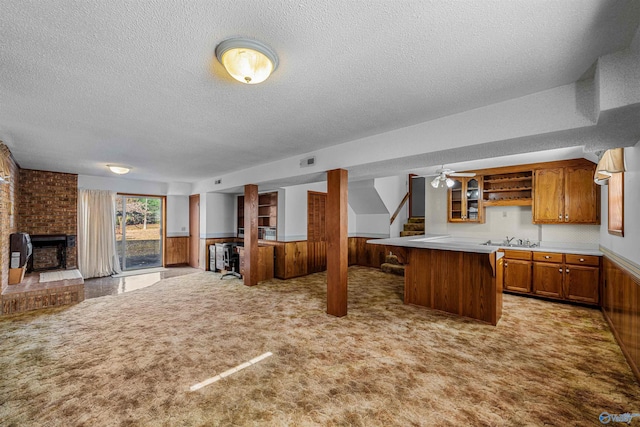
218	181
309	161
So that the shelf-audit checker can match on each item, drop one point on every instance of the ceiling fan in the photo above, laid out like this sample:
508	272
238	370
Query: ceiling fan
443	179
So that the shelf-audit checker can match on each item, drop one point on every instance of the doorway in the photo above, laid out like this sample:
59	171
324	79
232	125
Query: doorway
416	196
139	231
194	231
316	232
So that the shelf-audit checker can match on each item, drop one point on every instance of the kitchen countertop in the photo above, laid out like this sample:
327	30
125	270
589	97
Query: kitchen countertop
447	242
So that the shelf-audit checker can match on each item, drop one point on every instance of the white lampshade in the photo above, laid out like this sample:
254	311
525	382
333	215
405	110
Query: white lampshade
612	161
247	61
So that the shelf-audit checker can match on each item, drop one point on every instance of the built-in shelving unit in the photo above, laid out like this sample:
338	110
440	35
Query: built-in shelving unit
267	216
508	189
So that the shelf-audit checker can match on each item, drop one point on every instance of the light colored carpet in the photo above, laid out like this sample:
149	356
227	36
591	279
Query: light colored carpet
54	276
130	360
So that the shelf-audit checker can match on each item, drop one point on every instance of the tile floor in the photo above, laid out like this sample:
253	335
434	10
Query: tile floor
102	286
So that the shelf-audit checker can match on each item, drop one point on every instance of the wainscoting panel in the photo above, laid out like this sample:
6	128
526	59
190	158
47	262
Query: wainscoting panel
177	250
621	308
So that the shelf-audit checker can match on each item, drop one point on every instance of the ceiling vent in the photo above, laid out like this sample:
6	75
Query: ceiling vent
309	161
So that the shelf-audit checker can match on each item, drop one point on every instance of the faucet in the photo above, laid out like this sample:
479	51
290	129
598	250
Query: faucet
508	240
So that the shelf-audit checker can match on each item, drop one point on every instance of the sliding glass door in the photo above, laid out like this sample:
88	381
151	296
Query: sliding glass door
139	231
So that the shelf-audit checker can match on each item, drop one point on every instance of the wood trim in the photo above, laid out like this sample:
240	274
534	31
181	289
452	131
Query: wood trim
194	232
164	231
251	235
337	242
624	263
615	196
532	166
395	214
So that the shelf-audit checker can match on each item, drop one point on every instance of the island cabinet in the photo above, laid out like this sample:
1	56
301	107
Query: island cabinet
465	200
566	195
517	271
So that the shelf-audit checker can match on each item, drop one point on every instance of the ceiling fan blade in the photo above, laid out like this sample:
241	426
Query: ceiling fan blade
462	174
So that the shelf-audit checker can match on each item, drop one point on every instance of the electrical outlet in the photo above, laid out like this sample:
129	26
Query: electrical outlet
184	229
504	214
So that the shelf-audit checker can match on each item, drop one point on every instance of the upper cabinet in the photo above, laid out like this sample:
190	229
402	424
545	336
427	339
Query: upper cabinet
566	195
507	189
465	200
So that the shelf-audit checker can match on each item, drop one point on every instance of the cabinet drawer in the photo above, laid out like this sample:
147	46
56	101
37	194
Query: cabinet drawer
547	257
583	259
525	255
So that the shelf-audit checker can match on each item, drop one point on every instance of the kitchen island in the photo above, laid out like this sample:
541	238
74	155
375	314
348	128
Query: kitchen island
450	274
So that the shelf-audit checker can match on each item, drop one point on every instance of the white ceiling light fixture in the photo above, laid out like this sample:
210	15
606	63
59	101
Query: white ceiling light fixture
119	169
442	179
247	61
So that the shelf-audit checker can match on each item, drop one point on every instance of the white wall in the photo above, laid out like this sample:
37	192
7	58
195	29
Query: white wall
177	197
628	246
295	210
177	216
217	215
391	190
502	221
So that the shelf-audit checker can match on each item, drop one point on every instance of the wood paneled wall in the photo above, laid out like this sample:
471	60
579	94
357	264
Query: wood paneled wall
362	253
291	258
621	308
177	251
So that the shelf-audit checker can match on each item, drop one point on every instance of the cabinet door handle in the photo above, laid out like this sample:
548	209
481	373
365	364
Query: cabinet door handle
566	217
567	271
506	264
560	216
581	259
547	256
560	270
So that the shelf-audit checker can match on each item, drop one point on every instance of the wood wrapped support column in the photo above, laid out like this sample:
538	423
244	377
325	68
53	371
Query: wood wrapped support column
250	235
337	242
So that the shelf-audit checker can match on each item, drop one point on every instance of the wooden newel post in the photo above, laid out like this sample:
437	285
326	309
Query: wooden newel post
337	242
250	235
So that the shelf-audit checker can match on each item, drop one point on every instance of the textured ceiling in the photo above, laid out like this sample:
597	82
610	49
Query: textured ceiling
86	83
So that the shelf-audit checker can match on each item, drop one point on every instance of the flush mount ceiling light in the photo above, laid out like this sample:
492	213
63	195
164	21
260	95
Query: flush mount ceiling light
119	169
247	61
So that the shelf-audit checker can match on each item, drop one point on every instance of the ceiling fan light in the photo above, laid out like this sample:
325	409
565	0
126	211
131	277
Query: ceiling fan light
119	169
450	182
247	61
436	182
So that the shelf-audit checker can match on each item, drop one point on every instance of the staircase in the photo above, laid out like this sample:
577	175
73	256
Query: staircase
414	227
392	265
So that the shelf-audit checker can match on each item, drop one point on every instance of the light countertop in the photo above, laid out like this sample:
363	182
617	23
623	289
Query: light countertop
461	244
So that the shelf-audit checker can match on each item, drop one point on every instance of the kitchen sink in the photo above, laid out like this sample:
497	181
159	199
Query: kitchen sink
510	245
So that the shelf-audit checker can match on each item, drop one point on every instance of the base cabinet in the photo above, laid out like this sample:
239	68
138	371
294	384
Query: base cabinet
548	279
568	277
517	275
517	271
581	284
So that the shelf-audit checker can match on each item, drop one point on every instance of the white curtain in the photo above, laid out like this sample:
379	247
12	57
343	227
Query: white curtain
97	256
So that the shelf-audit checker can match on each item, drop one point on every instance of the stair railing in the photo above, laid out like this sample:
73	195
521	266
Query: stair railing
395	214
